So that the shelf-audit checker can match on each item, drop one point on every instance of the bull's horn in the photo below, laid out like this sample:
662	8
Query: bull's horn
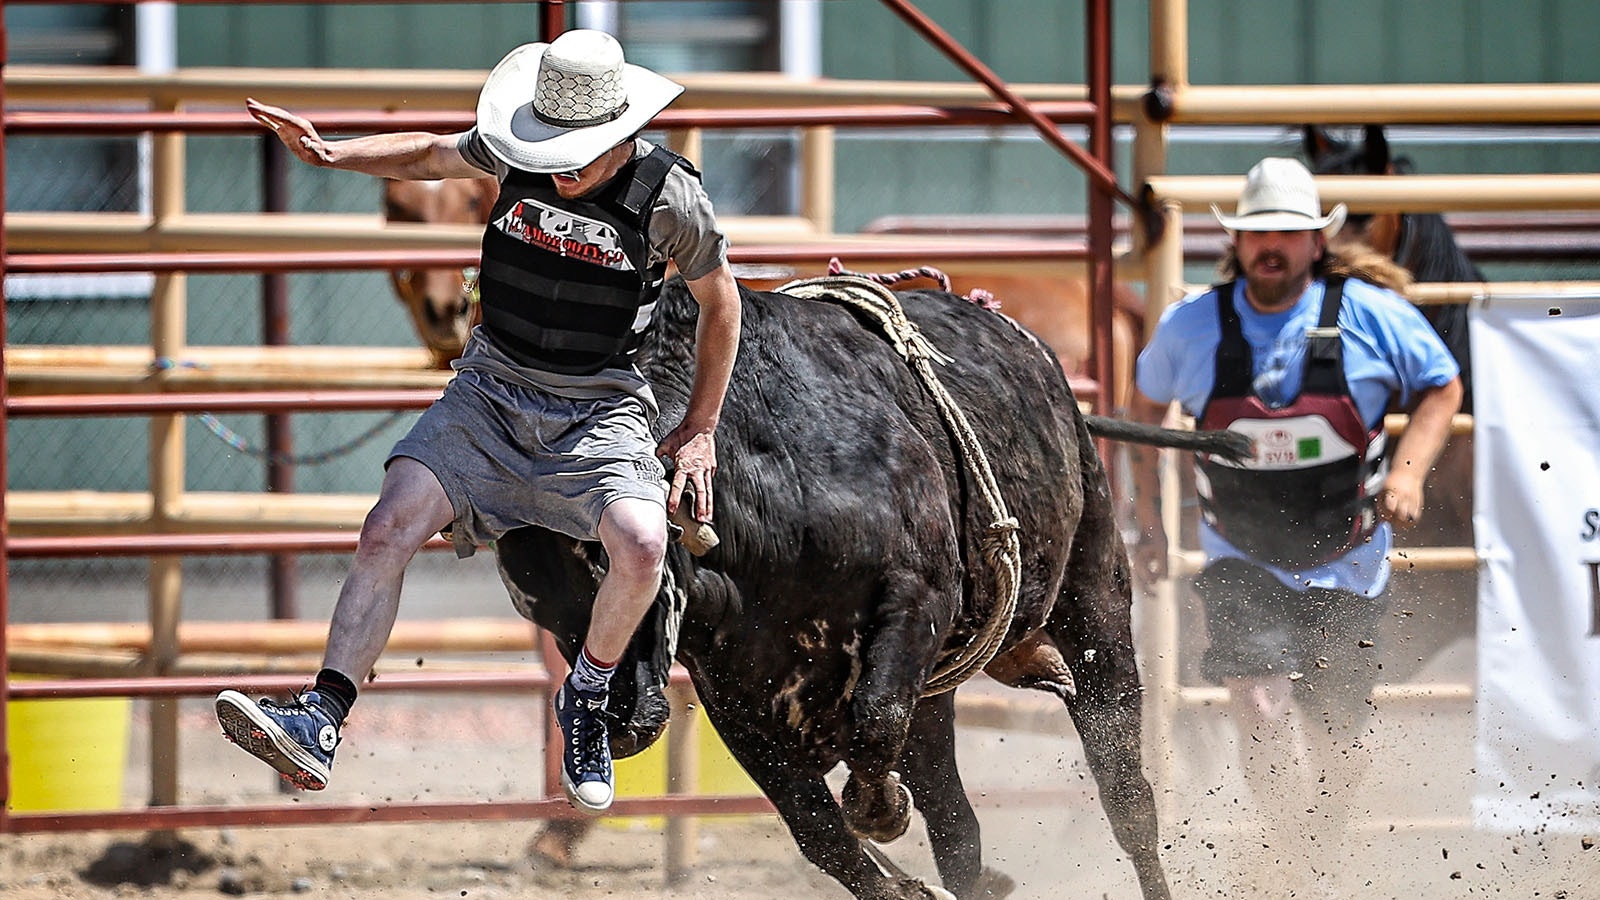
698	537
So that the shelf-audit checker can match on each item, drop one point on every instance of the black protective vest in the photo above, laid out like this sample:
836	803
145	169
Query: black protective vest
566	285
1309	494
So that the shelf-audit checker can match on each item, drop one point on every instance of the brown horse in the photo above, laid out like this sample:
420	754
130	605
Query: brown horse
1443	603
439	300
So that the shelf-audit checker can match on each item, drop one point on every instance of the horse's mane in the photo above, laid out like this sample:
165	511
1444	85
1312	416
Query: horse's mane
1430	251
1356	259
1427	244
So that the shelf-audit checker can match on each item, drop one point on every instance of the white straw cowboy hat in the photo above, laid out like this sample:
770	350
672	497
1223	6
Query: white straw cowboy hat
1280	195
557	107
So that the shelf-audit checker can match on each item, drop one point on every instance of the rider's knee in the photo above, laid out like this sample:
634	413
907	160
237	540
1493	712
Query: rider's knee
635	544
391	529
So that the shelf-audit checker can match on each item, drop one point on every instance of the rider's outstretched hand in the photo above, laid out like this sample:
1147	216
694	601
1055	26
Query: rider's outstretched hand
296	133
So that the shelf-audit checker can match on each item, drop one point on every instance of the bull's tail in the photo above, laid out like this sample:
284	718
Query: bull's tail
1227	444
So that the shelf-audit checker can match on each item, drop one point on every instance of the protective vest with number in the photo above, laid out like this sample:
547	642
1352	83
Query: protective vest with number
567	285
1309	493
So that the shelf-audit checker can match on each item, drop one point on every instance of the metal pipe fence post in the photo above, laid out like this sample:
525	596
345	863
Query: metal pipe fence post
5	531
552	19
1097	27
168	337
283	573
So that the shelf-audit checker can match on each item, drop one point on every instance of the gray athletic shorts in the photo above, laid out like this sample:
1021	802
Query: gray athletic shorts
509	455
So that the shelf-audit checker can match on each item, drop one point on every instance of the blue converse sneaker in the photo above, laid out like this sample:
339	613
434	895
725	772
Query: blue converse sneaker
296	738
585	748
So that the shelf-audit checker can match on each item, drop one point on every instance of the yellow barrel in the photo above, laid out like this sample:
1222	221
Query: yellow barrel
67	755
719	774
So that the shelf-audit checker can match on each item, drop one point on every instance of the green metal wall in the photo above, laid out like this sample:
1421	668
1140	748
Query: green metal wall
1406	41
377	36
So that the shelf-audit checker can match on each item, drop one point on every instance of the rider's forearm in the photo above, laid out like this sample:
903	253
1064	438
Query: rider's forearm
716	345
404	155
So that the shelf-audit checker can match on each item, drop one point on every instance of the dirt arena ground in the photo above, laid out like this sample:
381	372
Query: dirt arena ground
1414	841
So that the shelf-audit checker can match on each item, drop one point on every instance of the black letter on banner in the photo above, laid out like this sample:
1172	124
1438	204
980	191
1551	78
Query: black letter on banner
1594	599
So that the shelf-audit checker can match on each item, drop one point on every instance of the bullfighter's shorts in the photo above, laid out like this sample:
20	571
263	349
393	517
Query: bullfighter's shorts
509	455
1260	626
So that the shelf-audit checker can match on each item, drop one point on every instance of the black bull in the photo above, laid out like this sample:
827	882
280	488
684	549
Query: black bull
849	563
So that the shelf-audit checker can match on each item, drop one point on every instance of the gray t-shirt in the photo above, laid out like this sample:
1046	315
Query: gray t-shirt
683	229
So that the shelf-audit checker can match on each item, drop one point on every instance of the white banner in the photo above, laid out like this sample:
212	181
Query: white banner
1536	366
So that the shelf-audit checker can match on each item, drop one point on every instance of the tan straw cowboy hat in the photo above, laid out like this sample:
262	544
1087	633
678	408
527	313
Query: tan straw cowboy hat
1280	195
557	107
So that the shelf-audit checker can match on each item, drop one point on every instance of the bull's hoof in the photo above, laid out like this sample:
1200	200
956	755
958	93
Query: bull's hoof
992	885
878	812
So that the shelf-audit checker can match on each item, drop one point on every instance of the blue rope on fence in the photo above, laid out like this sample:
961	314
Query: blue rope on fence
240	443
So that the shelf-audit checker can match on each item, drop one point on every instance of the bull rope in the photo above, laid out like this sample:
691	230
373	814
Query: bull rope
977	295
1000	546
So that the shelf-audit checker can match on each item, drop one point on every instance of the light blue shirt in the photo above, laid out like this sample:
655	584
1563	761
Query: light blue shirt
1389	350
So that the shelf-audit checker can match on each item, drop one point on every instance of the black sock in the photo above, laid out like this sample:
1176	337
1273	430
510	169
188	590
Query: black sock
338	693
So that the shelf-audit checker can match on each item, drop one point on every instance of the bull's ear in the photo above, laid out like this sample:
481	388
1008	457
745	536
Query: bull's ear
1376	151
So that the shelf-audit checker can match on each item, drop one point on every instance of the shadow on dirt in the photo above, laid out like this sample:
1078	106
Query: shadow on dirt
147	863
